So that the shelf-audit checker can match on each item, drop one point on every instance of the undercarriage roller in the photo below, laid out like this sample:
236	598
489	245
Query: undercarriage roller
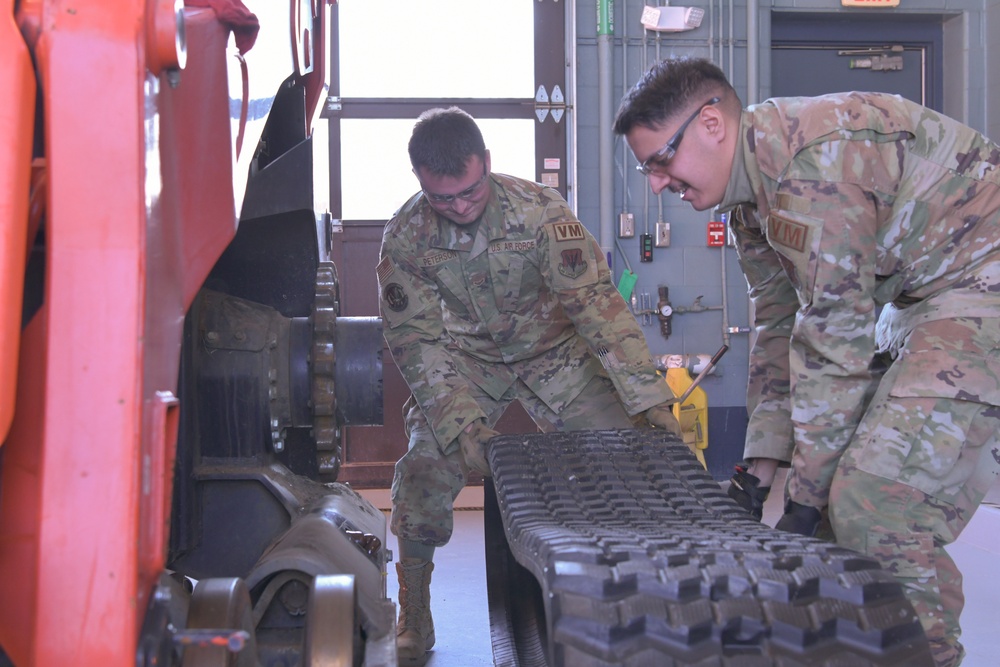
330	631
220	606
319	588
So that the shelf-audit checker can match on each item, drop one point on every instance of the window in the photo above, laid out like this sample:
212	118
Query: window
436	48
395	58
390	61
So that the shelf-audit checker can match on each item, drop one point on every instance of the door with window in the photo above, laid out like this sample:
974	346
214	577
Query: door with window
504	63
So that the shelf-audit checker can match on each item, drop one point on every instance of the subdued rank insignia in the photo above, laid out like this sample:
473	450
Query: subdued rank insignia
573	264
395	297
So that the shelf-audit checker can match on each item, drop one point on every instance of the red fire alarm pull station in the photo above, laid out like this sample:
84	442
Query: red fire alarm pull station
716	234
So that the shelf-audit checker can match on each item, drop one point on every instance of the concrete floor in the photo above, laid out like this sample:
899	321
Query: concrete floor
458	590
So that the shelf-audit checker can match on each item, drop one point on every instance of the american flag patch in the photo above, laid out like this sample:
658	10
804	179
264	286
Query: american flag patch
384	269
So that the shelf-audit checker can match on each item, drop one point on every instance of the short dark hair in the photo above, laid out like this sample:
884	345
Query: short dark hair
443	140
667	89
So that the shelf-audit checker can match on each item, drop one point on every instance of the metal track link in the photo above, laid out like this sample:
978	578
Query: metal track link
639	558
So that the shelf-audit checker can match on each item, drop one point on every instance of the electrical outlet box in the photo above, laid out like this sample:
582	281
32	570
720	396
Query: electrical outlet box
646	248
626	226
662	234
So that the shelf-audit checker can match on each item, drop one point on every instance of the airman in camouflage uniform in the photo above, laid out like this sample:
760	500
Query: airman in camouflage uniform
488	295
868	228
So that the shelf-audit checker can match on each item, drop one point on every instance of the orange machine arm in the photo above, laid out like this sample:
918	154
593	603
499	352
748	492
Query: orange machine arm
17	114
84	498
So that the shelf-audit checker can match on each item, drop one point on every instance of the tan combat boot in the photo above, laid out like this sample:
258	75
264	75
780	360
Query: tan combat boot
415	628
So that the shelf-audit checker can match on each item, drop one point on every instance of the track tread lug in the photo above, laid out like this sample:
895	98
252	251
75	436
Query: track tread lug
642	559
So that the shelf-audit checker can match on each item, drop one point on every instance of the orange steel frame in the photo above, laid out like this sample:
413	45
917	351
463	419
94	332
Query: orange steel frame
132	225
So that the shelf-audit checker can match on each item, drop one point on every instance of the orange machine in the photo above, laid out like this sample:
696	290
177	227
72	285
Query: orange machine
168	407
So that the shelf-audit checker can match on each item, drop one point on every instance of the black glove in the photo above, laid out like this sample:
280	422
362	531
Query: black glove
799	519
473	441
745	489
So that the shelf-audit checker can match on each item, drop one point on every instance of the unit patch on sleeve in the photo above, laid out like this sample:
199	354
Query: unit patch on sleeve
570	255
395	297
573	265
568	231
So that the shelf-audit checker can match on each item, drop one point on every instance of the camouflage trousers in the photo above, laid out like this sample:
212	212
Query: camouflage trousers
427	481
919	465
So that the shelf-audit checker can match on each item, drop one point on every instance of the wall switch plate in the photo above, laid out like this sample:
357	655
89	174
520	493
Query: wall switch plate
626	225
662	234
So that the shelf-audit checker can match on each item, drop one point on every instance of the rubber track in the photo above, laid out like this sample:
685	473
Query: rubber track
642	559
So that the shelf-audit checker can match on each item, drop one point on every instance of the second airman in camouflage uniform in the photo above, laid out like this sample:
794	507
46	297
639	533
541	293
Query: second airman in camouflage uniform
868	228
492	291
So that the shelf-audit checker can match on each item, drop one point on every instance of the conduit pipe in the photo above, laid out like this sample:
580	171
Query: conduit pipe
606	158
732	38
711	30
753	91
624	164
722	33
646	189
625	151
572	118
659	198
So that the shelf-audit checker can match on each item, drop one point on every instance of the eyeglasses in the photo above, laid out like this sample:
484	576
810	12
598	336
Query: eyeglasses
660	158
466	194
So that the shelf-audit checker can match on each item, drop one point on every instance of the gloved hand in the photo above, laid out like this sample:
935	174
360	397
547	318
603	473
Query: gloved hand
662	416
473	441
799	519
746	490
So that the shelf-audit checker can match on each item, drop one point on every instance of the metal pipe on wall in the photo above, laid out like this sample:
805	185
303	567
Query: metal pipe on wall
624	169
625	151
752	65
722	33
722	251
659	198
572	171
605	35
725	291
730	44
645	190
711	30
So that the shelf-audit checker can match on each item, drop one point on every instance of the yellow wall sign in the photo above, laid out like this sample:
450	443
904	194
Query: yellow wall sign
869	3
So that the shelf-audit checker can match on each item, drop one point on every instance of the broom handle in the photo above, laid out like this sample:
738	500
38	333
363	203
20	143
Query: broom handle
705	371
